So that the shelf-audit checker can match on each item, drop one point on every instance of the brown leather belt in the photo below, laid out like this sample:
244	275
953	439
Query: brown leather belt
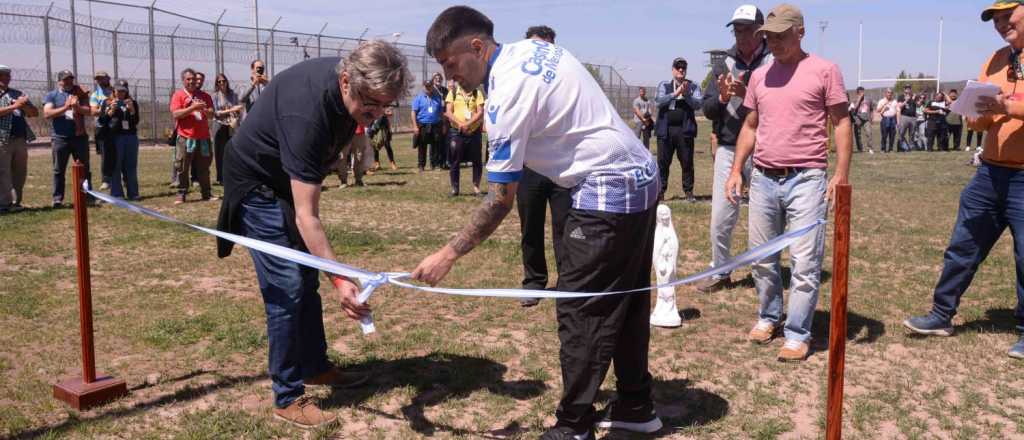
778	172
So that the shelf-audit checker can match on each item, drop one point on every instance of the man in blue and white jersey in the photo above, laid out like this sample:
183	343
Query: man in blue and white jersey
545	111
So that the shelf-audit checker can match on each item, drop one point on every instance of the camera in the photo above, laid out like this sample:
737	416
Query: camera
259	70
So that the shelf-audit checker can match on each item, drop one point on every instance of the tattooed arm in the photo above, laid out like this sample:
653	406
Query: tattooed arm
485	220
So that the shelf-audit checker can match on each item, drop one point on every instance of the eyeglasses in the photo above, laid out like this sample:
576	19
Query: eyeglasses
368	104
220	81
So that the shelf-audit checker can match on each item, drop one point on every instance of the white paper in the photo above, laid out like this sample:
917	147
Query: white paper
965	104
69	114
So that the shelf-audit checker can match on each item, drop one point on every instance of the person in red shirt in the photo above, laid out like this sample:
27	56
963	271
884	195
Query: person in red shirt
192	109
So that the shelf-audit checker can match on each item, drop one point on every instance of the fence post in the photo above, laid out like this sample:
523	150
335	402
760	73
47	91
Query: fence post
46	44
113	46
218	50
152	69
174	71
74	41
270	56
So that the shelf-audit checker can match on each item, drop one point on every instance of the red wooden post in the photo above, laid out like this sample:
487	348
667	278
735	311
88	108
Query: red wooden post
837	317
89	390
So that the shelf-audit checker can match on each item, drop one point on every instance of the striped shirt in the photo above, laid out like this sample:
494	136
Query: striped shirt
545	111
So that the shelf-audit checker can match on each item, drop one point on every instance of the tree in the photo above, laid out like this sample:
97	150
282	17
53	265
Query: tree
707	80
595	71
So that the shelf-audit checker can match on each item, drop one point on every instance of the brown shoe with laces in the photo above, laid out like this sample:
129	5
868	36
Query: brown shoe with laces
305	414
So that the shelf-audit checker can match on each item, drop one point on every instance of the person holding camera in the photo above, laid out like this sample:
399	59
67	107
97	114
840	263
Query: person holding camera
192	109
226	114
642	118
258	82
119	116
723	106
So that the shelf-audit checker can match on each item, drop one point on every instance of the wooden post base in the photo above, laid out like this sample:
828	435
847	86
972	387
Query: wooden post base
82	396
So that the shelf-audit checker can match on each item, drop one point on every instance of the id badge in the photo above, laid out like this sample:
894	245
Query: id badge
125	125
430	109
69	115
198	115
468	115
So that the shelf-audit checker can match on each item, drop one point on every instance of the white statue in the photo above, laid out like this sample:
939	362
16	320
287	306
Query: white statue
666	252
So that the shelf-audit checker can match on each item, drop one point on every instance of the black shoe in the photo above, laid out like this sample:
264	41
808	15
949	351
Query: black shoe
453	193
529	302
644	422
566	433
690	198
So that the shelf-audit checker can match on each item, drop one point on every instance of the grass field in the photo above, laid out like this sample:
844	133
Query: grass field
186	330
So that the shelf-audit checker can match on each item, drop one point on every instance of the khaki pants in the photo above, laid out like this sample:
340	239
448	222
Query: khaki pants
357	154
183	163
13	171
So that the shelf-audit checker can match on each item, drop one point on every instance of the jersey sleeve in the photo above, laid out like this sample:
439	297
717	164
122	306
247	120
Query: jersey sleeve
509	116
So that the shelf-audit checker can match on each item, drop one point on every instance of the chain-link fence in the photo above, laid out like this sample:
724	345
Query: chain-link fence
151	45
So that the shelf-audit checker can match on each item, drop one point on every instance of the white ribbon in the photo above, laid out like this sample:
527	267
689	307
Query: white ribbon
370	281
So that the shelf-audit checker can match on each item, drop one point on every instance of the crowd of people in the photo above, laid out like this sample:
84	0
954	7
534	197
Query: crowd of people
554	141
911	122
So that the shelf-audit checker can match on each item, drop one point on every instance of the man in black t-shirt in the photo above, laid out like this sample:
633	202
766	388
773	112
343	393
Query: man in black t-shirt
273	170
908	119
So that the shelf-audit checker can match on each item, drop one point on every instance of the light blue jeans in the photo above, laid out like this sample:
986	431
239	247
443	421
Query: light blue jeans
778	204
724	215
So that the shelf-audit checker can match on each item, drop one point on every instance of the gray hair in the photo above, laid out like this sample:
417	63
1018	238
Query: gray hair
377	67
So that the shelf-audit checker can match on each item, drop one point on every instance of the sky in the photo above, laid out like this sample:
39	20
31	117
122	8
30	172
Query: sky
640	38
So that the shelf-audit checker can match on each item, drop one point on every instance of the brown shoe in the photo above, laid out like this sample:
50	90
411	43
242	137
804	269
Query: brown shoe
762	333
305	414
394	166
793	351
714	285
179	200
334	377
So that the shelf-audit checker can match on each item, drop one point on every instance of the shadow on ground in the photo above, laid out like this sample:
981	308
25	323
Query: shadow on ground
995	321
679	406
436	378
183	394
859	329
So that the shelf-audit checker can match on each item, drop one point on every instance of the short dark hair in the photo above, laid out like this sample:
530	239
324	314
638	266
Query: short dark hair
454	23
952	90
860	89
543	32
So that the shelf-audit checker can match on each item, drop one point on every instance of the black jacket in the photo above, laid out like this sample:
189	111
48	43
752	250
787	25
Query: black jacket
728	123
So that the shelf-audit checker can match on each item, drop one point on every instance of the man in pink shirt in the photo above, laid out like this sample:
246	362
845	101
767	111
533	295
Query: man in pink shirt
192	109
790	101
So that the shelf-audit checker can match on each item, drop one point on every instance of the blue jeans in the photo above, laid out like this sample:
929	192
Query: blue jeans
724	215
778	204
888	128
126	164
992	201
295	326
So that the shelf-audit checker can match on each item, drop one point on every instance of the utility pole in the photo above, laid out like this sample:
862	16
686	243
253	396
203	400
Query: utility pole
74	41
256	25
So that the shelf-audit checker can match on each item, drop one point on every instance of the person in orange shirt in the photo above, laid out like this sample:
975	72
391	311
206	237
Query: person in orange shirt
994	199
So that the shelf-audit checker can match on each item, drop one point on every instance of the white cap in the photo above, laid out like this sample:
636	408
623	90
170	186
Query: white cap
4	68
746	14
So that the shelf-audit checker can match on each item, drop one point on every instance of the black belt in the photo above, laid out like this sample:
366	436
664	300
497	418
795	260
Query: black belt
778	172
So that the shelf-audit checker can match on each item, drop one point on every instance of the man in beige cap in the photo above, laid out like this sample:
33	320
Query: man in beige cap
790	101
15	134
